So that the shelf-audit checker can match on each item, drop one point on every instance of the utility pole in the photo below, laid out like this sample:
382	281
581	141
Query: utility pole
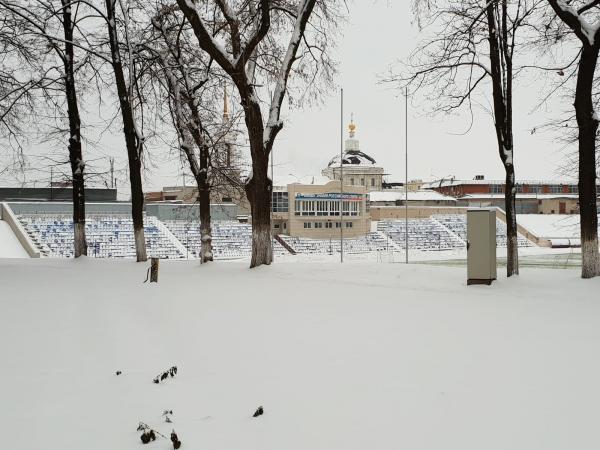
406	170
272	196
112	172
342	175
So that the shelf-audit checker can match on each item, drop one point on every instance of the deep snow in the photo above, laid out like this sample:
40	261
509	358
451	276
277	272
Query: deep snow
342	357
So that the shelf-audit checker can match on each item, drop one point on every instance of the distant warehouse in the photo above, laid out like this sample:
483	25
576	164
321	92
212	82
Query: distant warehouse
58	193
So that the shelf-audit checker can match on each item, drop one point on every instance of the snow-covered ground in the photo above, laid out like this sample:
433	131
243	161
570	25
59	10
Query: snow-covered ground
441	257
341	357
10	247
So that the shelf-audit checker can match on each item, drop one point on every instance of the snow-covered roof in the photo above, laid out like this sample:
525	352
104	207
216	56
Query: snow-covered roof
455	182
284	180
391	195
353	158
519	195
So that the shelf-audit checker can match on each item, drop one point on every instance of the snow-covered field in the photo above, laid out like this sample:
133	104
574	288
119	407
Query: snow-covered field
341	357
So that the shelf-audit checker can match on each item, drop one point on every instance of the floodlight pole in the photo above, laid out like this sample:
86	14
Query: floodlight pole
342	175
406	170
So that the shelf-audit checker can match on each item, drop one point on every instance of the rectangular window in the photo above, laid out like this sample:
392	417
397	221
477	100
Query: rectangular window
372	182
352	181
328	225
362	181
334	208
348	224
318	224
308	207
322	208
307	224
280	202
338	225
346	206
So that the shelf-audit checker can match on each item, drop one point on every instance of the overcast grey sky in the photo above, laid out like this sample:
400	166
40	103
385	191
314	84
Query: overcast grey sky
377	34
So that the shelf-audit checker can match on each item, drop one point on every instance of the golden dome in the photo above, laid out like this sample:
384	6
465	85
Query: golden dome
352	126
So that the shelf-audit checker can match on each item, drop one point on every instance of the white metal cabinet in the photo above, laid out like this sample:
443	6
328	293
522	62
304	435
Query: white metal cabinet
481	245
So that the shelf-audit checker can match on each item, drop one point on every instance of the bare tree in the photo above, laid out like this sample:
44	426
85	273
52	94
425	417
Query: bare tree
126	91
252	56
501	36
75	154
576	15
55	27
183	81
472	49
185	76
17	76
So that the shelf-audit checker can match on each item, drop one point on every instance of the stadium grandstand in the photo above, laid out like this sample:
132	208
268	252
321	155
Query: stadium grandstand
172	232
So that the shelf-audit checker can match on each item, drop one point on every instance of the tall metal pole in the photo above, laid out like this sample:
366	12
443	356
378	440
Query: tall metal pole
112	172
272	195
342	175
406	169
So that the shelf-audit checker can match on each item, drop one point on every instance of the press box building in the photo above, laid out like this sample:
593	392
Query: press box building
313	210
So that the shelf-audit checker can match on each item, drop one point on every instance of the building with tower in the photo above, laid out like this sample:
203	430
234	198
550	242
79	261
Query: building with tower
224	171
357	168
320	210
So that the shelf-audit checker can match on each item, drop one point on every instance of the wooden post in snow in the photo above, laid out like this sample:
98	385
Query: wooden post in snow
154	270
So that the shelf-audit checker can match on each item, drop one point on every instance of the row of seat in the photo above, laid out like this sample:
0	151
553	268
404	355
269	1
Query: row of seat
423	234
107	236
372	242
112	237
230	240
457	224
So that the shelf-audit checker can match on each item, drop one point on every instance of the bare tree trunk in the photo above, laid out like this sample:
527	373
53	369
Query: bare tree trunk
502	76
206	253
75	154
132	140
588	126
258	191
259	186
512	243
587	123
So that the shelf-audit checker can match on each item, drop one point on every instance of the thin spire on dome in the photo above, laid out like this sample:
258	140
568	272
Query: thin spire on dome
225	104
352	126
